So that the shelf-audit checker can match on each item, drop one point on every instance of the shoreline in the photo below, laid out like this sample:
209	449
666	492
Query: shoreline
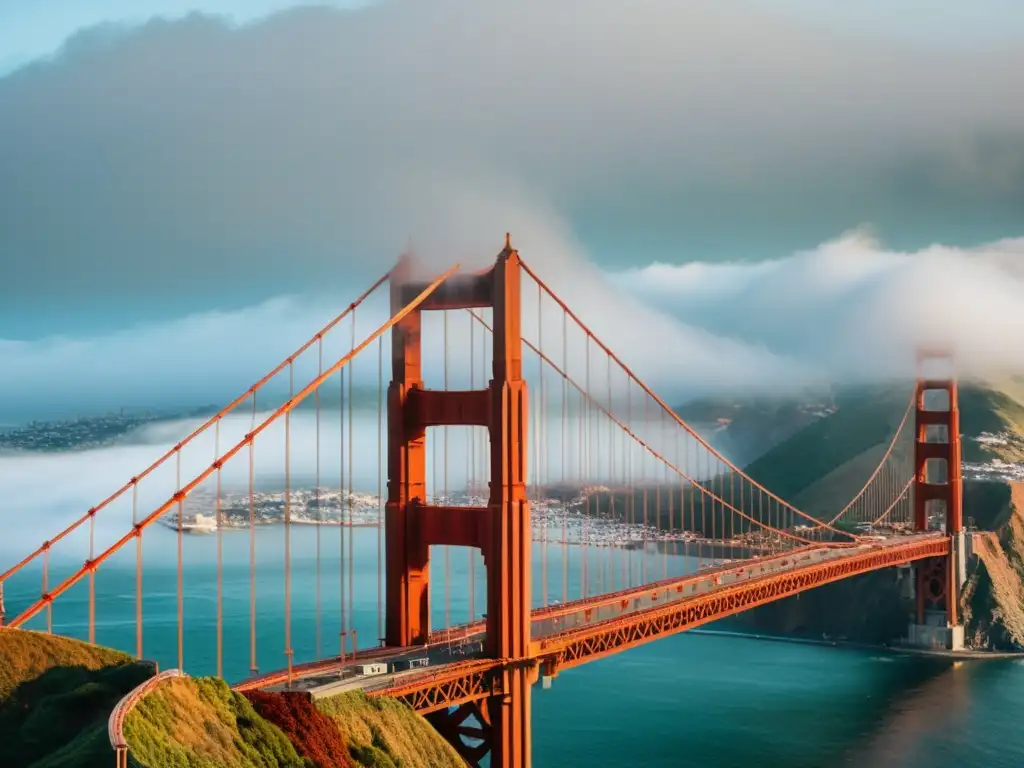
714	551
902	650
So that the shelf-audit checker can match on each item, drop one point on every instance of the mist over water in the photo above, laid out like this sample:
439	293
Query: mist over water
46	491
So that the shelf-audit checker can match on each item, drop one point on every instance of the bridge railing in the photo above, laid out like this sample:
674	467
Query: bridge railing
115	723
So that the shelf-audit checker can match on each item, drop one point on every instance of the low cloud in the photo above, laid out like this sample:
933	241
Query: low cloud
855	310
848	311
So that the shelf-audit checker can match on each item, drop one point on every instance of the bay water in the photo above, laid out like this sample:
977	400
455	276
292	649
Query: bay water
692	699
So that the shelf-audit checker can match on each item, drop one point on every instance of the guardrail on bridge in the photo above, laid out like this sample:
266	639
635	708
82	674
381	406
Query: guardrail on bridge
115	724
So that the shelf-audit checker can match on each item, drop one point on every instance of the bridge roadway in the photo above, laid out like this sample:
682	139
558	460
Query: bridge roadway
568	634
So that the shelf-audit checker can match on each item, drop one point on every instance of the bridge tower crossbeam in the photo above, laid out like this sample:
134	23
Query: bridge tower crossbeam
502	529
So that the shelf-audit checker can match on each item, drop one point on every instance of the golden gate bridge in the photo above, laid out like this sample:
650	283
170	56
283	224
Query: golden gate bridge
666	532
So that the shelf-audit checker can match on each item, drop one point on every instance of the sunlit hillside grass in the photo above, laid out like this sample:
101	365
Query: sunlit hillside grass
202	723
384	733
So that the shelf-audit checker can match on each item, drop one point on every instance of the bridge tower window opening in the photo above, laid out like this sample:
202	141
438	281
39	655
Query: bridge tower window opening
935	399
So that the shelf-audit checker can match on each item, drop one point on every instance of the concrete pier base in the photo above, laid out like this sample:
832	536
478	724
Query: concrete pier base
963	548
936	633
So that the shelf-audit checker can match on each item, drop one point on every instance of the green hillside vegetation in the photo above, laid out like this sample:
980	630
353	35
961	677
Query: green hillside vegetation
862	421
202	723
998	412
745	428
384	733
56	694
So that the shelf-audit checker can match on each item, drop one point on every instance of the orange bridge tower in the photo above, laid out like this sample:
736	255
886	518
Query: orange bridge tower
501	530
938	502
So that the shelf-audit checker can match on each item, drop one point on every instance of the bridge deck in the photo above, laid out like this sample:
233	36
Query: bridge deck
570	634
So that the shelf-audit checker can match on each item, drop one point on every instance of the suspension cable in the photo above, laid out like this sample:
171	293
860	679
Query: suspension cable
661	403
630	434
184	491
251	392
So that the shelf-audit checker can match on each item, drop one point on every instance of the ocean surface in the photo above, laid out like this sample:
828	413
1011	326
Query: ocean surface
692	699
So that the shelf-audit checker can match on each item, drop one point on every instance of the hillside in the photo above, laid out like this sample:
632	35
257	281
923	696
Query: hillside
995	412
384	733
57	693
862	421
993	597
824	464
744	429
55	696
314	735
202	723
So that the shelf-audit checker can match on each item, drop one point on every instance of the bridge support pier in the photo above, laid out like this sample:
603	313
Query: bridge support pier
936	591
511	744
938	492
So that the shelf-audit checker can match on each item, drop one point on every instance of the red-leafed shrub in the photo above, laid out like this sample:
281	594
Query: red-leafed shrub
313	733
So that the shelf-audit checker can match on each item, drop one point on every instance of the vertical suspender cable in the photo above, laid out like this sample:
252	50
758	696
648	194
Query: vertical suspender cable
351	492
585	451
220	555
663	543
471	465
138	569
316	497
732	517
611	479
288	524
541	422
92	576
181	591
343	624
447	549
703	528
580	484
253	665
380	488
713	504
643	487
691	470
46	590
672	447
627	467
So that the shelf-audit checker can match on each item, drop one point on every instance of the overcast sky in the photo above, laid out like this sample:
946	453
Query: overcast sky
32	30
197	163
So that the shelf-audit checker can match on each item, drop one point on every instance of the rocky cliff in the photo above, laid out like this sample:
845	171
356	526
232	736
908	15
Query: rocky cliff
993	597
